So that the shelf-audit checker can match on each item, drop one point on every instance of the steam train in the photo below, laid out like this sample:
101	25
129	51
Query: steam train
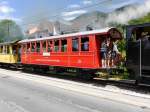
78	51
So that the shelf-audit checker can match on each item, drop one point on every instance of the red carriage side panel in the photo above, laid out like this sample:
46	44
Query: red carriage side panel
80	50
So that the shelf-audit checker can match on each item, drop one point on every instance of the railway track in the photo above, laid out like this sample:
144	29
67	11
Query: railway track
98	82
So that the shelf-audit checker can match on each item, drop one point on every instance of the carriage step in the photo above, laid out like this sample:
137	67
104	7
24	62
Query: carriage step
145	76
145	79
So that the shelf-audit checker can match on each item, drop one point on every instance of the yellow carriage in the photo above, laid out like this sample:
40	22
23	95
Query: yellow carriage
9	53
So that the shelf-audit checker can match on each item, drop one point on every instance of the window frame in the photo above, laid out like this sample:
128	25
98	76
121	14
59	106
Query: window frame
73	47
38	48
1	49
33	47
28	49
44	43
64	47
7	49
51	47
82	44
58	49
23	48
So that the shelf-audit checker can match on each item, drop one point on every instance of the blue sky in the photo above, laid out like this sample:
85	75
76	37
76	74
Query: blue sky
25	11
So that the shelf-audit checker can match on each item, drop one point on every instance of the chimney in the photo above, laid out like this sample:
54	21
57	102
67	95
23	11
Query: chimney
54	30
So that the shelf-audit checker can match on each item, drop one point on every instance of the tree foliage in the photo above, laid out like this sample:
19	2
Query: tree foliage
145	19
9	31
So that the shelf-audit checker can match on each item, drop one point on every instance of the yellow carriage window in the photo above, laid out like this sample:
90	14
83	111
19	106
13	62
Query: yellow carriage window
1	49
4	49
15	49
8	50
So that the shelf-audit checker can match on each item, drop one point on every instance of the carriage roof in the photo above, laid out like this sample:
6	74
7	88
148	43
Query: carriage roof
9	43
84	33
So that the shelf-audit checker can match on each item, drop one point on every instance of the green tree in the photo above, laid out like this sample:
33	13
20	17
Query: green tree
9	31
145	19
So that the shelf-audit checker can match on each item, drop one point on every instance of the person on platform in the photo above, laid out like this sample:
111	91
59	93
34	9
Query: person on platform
103	53
115	53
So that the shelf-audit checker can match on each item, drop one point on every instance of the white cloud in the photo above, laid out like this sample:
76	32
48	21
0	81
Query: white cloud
6	12
76	12
87	2
70	15
115	6
6	9
73	6
69	18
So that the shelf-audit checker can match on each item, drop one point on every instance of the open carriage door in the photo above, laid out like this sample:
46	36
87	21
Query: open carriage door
104	52
99	40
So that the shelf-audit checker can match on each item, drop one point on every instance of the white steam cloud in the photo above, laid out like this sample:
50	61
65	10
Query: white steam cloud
129	13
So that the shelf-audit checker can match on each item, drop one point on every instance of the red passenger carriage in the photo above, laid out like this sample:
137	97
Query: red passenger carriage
77	50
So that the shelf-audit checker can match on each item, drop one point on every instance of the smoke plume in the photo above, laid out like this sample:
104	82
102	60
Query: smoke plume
129	13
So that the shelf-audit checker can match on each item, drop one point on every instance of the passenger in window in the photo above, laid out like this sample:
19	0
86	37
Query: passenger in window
86	46
14	50
103	53
50	48
28	49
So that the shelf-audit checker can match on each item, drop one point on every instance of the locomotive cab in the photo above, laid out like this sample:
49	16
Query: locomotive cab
138	51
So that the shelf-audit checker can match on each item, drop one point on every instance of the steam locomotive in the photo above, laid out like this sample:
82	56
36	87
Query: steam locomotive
138	51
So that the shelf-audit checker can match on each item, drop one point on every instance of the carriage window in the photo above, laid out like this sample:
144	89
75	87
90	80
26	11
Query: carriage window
28	47
33	47
56	45
14	49
75	44
8	50
50	46
5	49
44	46
24	48
1	49
85	44
37	46
64	45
